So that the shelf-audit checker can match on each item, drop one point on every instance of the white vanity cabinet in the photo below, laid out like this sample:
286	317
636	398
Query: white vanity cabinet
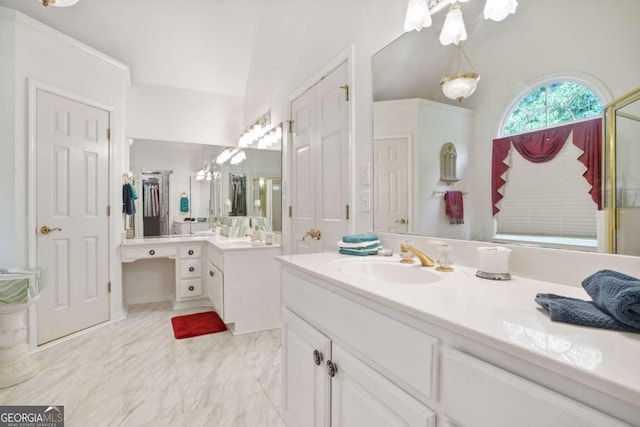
188	273
391	368
244	287
329	347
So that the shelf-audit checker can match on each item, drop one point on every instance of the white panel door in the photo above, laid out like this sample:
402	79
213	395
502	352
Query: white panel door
362	397
305	380
302	172
320	164
391	184
72	161
332	159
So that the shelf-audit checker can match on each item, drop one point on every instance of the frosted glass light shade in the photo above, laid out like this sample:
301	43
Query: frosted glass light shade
459	86
497	10
418	15
453	30
58	3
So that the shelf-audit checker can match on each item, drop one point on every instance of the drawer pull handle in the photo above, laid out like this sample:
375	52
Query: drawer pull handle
190	251
317	357
152	252
331	368
211	273
192	269
191	288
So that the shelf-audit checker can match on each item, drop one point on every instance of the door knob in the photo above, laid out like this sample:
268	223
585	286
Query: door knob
401	221
46	230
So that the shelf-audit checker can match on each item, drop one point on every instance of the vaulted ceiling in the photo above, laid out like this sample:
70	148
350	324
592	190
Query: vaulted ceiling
201	45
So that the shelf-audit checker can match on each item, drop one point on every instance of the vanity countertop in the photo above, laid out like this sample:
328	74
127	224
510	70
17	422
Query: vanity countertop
221	242
501	314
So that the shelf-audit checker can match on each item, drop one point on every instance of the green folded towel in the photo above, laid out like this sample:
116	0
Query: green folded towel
357	252
359	238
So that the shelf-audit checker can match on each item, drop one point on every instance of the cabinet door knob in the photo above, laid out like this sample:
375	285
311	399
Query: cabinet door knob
190	251
211	273
192	269
152	252
331	368
191	288
317	357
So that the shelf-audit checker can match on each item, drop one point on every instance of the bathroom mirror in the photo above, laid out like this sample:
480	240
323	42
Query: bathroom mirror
207	198
512	57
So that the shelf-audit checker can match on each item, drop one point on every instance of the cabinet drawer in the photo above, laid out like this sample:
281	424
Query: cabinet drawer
145	252
401	353
190	251
190	268
475	393
190	288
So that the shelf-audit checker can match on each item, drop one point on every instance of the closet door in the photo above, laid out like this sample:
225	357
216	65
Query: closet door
302	173
320	164
332	159
72	161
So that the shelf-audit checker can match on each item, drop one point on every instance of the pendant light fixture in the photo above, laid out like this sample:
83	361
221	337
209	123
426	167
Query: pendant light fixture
458	83
58	3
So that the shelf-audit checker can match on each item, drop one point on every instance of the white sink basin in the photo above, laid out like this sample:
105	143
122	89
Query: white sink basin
387	272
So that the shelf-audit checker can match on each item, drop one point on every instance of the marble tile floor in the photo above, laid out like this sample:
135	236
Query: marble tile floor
135	373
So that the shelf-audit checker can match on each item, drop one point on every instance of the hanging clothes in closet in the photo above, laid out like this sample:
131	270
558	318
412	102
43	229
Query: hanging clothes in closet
151	198
238	195
151	207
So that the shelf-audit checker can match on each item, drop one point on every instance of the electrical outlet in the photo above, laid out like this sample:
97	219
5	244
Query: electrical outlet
365	200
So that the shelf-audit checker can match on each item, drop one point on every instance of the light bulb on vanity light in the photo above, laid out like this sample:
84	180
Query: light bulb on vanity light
418	15
497	10
453	30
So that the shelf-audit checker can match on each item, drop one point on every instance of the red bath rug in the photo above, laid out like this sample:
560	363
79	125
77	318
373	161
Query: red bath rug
193	325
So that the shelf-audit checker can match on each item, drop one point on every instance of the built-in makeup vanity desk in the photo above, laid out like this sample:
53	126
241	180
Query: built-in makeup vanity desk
240	279
375	344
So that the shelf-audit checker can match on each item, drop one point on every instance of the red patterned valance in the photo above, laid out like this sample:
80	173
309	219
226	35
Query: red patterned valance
543	145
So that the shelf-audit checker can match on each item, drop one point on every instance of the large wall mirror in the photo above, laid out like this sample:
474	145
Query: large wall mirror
590	43
166	171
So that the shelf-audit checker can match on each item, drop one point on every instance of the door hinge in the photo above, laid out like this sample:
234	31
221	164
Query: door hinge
109	134
290	211
347	211
109	287
108	210
345	87
290	125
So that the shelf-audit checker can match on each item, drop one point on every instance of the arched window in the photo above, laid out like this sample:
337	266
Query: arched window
548	185
550	105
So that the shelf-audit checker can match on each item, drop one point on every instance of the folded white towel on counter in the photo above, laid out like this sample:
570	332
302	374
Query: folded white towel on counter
373	243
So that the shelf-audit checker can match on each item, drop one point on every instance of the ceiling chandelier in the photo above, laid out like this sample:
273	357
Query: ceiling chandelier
58	3
459	84
419	12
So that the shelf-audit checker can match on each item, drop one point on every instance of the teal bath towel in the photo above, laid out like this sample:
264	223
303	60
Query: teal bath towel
359	238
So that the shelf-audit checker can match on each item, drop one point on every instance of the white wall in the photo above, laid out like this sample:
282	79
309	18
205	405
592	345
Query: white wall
50	57
174	114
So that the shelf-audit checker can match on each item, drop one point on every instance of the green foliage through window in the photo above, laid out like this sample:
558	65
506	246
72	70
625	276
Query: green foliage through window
552	104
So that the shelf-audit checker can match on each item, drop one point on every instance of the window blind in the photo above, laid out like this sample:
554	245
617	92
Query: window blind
547	199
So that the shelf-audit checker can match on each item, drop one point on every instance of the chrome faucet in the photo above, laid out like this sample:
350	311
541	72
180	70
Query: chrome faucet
424	260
